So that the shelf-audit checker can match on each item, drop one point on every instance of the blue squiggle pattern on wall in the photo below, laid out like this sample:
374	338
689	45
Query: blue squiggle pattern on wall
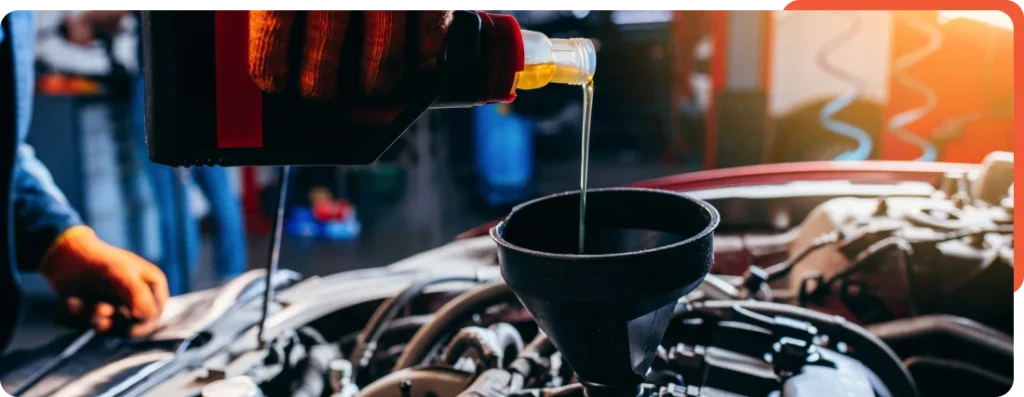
863	150
897	123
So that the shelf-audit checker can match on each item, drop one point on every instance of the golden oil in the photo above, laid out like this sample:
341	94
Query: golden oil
541	74
588	106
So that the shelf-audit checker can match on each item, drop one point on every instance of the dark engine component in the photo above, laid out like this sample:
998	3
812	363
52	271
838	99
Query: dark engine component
889	296
756	348
904	295
711	348
875	260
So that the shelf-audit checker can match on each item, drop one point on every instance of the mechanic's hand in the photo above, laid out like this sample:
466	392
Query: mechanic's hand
103	284
83	28
383	53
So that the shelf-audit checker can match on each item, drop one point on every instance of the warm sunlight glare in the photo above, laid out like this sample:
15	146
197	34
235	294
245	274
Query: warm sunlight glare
997	18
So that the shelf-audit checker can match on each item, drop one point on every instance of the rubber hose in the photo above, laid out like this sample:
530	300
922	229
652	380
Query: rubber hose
403	324
366	343
528	362
481	341
867	346
957	327
919	361
508	339
540	345
455	311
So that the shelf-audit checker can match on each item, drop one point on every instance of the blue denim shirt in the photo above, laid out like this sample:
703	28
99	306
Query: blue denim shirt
35	211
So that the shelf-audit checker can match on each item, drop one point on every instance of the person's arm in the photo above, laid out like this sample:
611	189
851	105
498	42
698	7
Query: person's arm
41	212
100	282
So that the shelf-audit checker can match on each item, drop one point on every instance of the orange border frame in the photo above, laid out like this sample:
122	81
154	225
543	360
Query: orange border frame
1016	15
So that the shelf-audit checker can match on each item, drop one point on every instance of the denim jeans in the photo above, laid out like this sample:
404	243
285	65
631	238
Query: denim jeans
228	232
178	228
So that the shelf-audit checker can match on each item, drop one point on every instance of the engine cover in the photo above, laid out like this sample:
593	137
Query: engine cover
930	274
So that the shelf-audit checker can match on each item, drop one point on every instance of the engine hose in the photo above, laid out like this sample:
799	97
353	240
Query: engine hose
863	150
897	124
530	361
864	345
366	342
407	324
451	314
936	324
482	342
508	338
959	366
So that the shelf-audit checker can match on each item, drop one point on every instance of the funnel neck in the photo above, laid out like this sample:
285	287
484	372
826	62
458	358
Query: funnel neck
607	309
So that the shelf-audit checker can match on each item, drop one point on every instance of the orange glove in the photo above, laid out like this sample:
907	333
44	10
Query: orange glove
102	283
378	36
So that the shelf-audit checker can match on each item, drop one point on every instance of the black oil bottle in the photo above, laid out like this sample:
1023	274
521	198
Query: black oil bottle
202	108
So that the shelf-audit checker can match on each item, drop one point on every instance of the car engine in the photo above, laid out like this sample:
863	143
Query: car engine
818	289
867	296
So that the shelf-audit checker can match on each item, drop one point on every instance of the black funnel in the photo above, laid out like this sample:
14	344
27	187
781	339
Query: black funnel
607	309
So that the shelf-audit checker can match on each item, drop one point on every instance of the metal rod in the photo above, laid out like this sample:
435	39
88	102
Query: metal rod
275	250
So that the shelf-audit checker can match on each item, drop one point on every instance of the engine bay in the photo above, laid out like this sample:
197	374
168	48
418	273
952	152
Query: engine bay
882	296
818	288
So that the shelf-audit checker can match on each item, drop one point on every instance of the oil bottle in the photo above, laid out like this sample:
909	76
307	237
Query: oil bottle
203	109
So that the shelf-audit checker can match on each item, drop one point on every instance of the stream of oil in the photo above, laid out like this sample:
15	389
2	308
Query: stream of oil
539	75
588	105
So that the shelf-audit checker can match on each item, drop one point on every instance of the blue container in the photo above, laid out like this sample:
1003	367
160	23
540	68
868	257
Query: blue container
302	224
344	230
503	154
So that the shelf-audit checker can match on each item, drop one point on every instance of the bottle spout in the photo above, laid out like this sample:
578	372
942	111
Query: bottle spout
575	61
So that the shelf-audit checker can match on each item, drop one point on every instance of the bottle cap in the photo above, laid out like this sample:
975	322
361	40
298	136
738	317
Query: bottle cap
505	56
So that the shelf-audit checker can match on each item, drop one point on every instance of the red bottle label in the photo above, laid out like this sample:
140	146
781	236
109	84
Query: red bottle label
239	100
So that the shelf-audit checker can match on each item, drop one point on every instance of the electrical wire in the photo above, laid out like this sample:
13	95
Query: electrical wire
897	123
863	150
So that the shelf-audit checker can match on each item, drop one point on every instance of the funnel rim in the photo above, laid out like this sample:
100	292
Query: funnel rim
709	229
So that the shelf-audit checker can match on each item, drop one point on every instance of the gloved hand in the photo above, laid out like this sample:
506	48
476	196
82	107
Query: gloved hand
102	284
378	57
